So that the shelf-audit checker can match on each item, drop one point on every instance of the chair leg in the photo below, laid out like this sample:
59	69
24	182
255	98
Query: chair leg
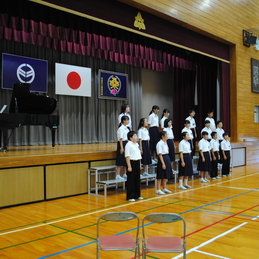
97	251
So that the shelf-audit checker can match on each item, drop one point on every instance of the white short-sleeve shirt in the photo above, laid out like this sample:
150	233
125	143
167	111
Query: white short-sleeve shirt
204	145
184	147
143	134
122	132
170	132
162	147
214	144
153	120
125	114
189	131
192	122
220	133
132	151
212	123
208	130
225	145
162	121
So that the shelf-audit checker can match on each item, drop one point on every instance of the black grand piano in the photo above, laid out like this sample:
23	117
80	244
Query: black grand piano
27	108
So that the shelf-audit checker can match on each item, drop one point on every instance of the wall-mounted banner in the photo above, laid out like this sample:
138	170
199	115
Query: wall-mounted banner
24	70
112	85
73	80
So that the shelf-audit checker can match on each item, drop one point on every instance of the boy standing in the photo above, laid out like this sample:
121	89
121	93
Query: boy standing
133	158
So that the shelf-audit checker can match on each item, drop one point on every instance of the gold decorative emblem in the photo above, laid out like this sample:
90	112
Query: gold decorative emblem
139	22
114	84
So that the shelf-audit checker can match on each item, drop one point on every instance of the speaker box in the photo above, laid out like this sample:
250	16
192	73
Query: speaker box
251	39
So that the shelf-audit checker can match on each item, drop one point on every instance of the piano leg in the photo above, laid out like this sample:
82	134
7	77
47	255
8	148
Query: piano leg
53	132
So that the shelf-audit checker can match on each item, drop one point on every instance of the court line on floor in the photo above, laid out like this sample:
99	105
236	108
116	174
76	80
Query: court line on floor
239	188
210	240
218	256
126	204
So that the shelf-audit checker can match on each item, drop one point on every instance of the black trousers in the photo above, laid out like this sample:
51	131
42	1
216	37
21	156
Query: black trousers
214	165
133	180
226	163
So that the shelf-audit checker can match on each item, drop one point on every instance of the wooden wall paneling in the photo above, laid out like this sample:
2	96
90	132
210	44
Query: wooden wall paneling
66	179
21	185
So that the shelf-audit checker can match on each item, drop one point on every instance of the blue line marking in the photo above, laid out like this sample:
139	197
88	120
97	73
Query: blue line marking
73	248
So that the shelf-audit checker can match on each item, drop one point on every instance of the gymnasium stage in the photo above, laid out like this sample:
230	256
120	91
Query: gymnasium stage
37	173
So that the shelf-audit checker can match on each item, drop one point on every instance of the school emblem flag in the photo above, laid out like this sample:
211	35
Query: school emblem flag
112	85
73	80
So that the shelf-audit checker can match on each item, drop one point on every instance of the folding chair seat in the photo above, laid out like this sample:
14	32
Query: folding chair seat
117	242
163	244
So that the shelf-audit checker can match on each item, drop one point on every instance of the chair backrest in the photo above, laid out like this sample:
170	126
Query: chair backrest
119	216
164	218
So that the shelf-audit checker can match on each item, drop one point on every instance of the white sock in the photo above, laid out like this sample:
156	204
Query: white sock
180	182
185	181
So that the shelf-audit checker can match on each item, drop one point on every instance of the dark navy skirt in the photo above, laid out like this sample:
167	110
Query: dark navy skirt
146	157
188	169
120	158
170	144
167	173
204	166
154	137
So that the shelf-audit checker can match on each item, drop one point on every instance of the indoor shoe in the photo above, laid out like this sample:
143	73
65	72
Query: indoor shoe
145	174
140	198
159	192
218	177
206	180
187	186
118	177
224	175
166	191
182	187
131	199
124	177
213	178
203	181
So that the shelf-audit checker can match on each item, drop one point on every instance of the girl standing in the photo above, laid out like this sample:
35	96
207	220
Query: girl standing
164	169
170	142
193	128
204	163
125	109
166	114
153	129
143	136
185	162
122	141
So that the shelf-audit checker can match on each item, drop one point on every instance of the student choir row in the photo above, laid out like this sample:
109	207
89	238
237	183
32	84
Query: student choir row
135	148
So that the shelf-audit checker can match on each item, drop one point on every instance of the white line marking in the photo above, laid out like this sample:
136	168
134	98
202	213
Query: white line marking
210	240
255	218
123	205
218	256
246	189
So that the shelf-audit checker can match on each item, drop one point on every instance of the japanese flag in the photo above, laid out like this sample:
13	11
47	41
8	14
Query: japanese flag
73	80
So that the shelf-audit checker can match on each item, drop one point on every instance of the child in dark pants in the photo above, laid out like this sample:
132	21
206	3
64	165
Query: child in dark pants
215	156
133	158
225	147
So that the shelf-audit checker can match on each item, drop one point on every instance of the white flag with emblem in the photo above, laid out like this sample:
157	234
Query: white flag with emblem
73	80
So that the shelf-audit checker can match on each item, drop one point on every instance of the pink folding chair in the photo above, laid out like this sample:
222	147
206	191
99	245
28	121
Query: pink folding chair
163	244
118	242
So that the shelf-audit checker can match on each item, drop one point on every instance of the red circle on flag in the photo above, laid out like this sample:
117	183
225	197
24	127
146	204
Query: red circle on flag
73	80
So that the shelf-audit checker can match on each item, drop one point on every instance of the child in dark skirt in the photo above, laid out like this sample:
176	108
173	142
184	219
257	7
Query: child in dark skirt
170	142
122	141
164	169
225	147
204	163
153	123
143	136
185	162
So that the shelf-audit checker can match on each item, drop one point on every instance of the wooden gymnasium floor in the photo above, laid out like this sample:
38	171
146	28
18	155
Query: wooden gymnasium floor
222	221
